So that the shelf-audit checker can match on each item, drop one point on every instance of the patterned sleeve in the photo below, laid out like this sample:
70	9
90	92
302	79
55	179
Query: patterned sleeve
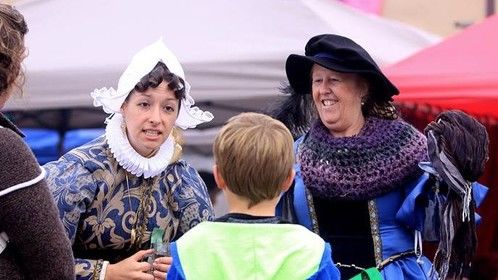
191	195
73	189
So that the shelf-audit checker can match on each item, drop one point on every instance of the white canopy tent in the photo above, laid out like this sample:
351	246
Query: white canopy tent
229	49
233	52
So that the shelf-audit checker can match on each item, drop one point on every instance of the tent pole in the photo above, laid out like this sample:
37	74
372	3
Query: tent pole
490	7
64	116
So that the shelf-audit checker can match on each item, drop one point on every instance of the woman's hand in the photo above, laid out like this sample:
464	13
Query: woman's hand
131	268
161	266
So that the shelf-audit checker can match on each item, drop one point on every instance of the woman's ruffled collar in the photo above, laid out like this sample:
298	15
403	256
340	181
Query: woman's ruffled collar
130	159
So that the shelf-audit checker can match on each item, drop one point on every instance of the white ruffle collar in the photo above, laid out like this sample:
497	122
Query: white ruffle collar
130	159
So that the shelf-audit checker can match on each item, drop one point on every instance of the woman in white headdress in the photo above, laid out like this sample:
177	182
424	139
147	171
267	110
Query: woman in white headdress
129	186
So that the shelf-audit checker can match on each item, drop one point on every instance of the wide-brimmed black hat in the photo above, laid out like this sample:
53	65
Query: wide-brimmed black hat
339	54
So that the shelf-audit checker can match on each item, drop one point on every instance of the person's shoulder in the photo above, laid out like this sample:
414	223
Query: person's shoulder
81	161
95	149
304	233
292	232
404	124
179	164
17	162
182	169
91	149
13	147
199	233
399	129
9	138
303	247
301	230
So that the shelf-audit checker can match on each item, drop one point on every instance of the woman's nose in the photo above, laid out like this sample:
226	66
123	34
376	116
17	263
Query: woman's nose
155	115
324	88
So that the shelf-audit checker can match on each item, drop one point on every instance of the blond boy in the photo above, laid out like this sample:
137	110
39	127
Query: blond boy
253	164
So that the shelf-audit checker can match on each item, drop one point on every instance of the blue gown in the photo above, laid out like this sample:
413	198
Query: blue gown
394	220
101	204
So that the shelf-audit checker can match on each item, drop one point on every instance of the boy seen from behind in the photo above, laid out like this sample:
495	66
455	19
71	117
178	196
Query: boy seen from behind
253	164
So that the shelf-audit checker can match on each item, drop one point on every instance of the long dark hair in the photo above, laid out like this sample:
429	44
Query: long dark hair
458	150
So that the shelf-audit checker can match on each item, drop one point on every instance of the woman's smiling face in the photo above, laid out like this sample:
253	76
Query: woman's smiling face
149	118
337	97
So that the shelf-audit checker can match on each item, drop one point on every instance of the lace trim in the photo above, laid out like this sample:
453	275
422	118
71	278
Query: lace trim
97	269
314	218
22	185
130	159
374	226
142	214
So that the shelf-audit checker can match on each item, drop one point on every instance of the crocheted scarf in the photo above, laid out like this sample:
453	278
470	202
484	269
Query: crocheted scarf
383	156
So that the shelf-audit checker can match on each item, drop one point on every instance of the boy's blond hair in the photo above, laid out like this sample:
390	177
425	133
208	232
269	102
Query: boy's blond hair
254	154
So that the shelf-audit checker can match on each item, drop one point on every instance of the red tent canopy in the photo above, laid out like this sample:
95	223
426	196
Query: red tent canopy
460	72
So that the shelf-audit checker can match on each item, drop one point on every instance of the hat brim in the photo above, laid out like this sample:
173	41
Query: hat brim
298	70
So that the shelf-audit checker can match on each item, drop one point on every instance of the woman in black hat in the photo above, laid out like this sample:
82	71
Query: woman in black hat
356	160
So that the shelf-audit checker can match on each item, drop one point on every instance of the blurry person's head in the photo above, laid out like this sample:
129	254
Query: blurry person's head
12	50
254	157
208	179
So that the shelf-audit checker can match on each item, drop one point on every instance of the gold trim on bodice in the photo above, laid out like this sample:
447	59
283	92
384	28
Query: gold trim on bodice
374	227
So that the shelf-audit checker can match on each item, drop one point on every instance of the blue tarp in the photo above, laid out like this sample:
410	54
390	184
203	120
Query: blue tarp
44	142
78	137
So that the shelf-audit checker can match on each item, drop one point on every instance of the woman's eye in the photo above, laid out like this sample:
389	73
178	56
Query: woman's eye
169	109
317	81
143	104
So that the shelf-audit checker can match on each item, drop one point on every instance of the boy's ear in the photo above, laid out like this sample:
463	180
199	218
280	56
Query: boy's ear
288	181
220	182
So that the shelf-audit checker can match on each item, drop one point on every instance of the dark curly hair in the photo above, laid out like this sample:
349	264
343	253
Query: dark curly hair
160	74
12	50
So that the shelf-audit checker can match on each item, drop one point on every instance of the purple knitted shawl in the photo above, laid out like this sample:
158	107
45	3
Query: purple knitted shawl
383	156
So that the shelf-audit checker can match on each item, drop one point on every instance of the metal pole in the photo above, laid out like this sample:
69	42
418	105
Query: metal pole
490	7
